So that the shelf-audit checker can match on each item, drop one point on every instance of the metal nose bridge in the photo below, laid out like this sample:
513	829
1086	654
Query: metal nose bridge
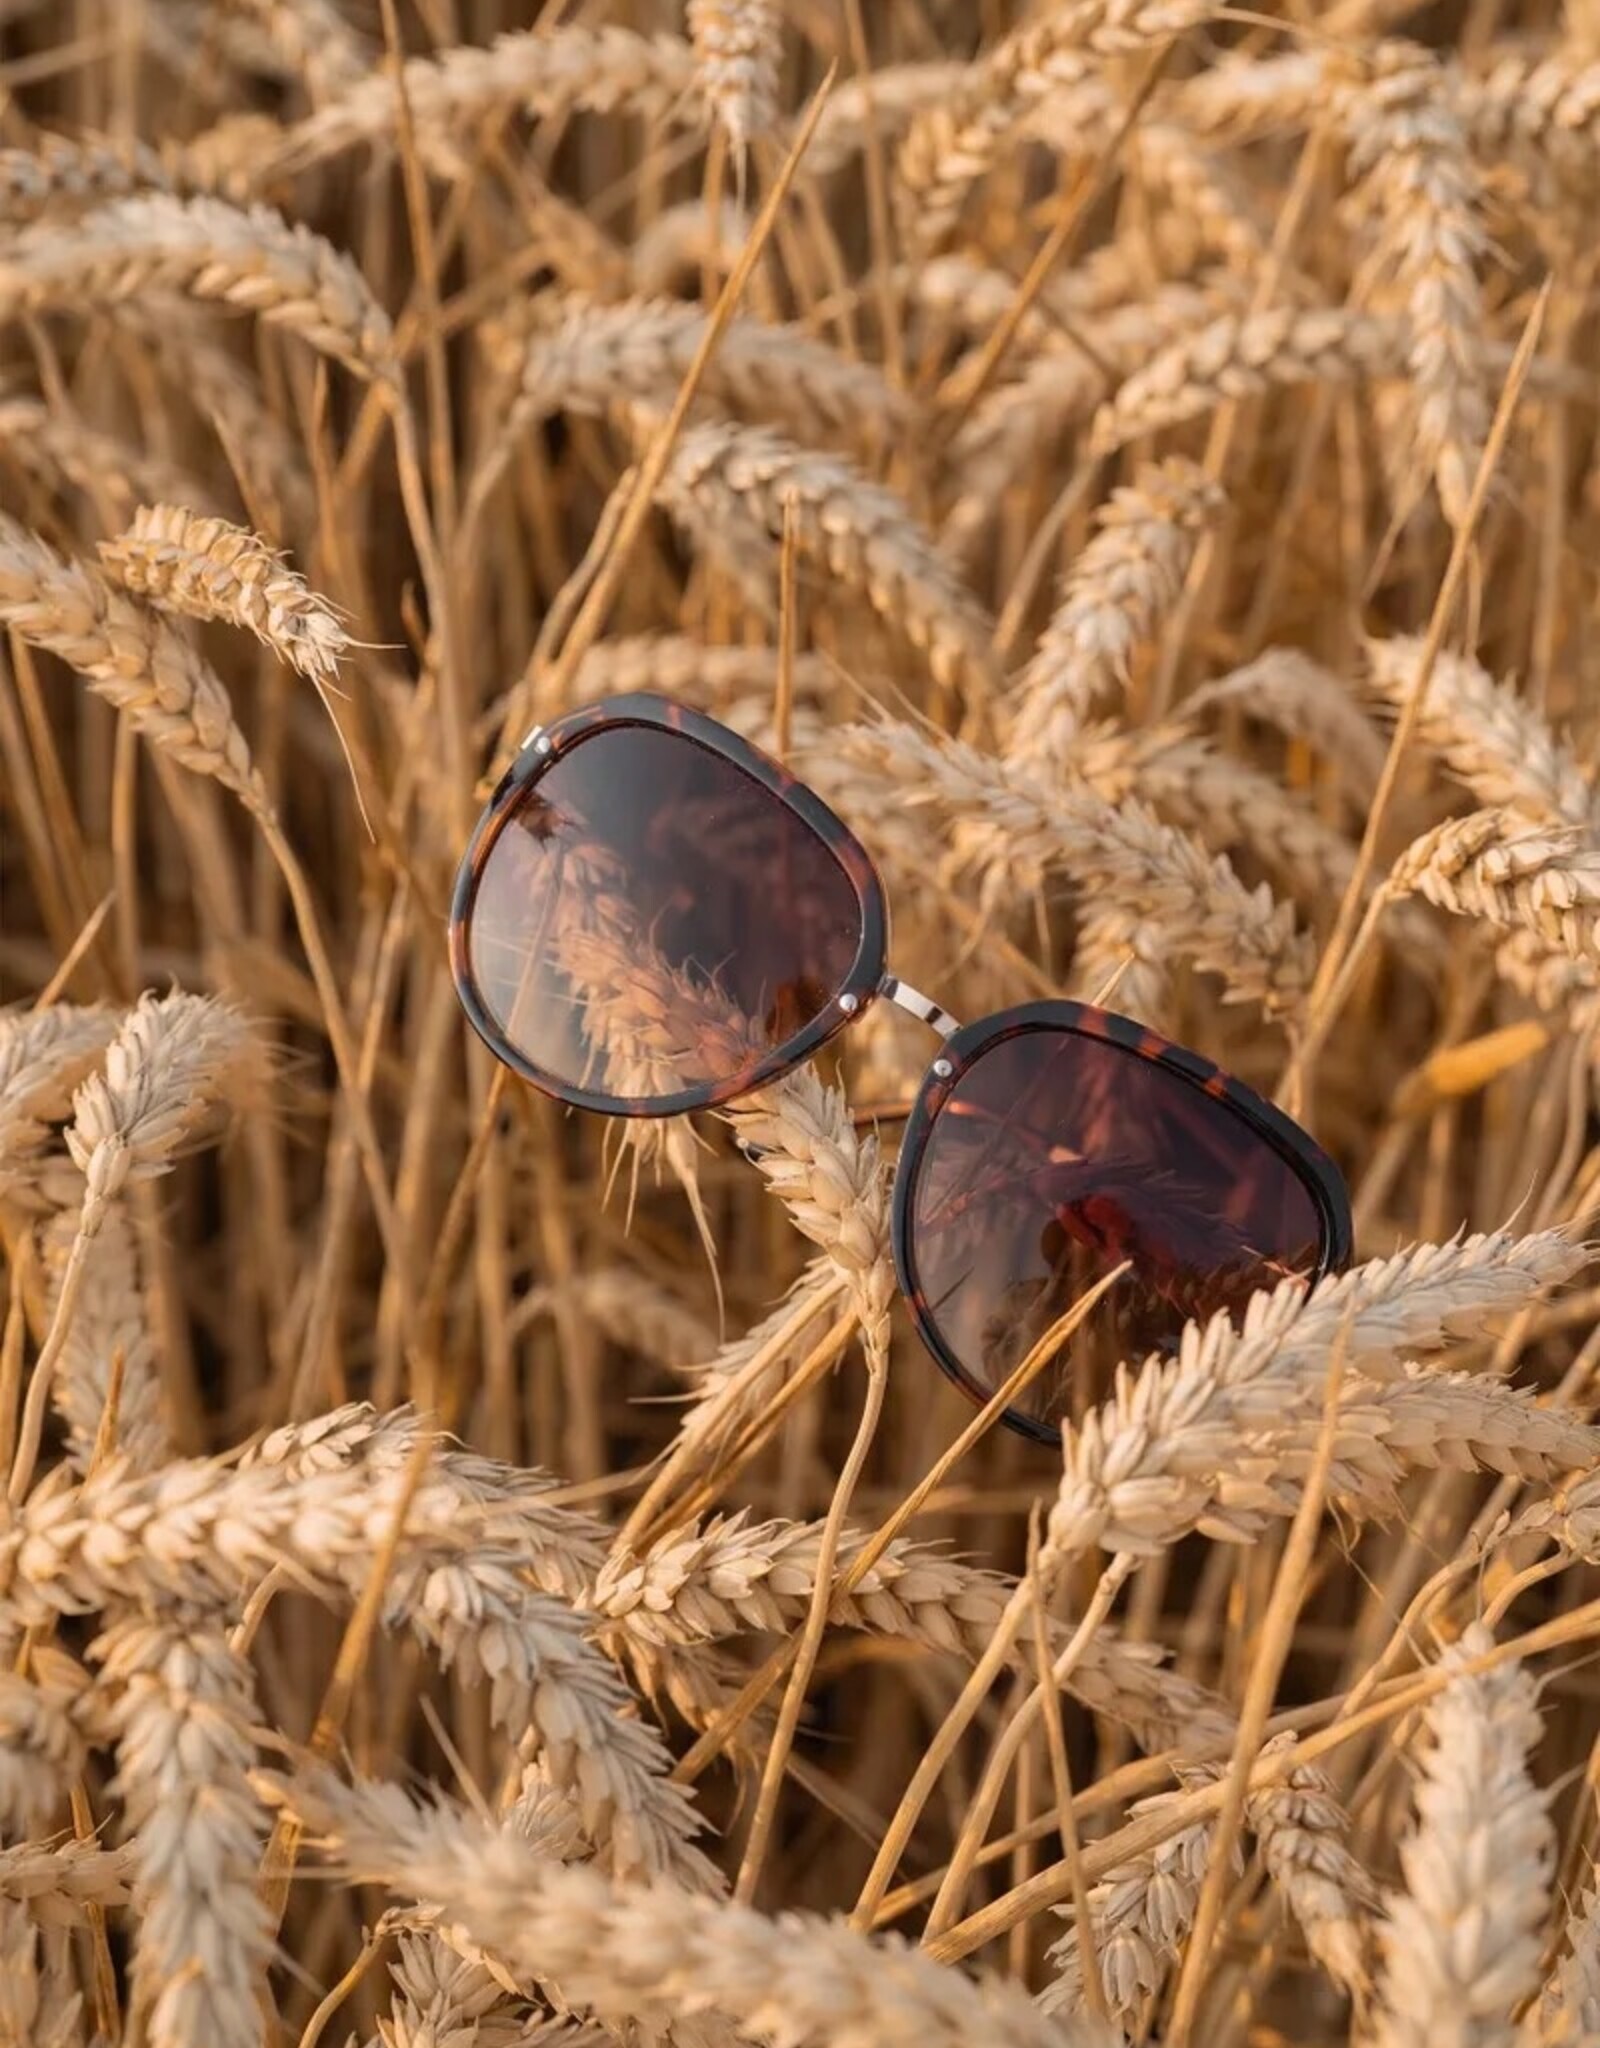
918	1005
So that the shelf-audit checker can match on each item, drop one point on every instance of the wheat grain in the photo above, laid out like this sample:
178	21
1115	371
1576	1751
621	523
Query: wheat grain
208	569
55	1881
1461	1943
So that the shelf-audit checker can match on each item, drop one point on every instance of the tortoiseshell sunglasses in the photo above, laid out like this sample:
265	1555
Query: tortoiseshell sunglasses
653	917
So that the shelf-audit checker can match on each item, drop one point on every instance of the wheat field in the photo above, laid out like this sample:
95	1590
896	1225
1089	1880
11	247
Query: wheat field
473	1575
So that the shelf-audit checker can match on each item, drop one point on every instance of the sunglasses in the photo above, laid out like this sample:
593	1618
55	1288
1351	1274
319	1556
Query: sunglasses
653	917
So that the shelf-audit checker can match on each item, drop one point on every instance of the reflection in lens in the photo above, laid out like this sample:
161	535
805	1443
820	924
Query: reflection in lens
651	919
1056	1157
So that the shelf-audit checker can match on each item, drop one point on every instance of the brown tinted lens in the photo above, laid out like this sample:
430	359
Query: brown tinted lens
651	920
1055	1158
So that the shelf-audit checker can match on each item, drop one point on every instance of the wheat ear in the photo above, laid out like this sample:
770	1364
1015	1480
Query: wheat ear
44	1054
208	569
1461	1942
174	1058
1543	881
737	48
1499	746
657	1952
1408	150
1120	588
1140	1913
63	174
42	1747
1246	356
731	488
1061	59
251	259
181	1705
547	74
1148	1465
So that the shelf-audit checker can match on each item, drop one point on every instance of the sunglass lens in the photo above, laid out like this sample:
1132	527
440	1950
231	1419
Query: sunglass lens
1057	1156
650	923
